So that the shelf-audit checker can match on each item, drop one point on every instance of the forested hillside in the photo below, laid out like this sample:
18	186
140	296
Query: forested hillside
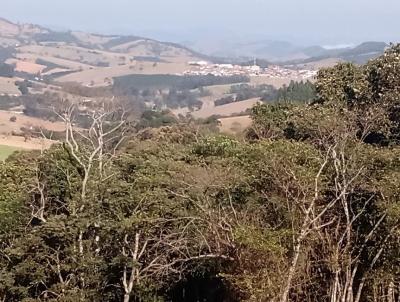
304	207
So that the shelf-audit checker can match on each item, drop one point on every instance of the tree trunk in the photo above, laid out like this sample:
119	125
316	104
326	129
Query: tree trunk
391	292
398	293
335	289
292	270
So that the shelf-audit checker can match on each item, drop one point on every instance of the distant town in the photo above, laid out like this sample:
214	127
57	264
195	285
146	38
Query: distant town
272	71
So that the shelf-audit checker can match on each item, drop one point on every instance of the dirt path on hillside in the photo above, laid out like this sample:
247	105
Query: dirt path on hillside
31	144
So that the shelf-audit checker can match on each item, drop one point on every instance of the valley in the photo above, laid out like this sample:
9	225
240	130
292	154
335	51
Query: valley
199	151
42	68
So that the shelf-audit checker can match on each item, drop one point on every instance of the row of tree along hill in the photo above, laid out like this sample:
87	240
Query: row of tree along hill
302	92
306	208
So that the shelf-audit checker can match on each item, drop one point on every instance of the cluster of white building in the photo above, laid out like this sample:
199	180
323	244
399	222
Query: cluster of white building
275	71
281	72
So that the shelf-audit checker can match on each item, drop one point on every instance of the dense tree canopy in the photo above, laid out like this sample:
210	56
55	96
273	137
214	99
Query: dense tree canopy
6	70
297	92
306	208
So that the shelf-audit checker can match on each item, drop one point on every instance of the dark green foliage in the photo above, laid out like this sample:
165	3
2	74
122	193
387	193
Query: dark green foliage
340	85
172	81
7	102
295	92
49	65
225	100
184	98
6	53
303	92
243	92
35	105
52	36
6	70
215	146
269	120
156	119
23	86
366	90
306	203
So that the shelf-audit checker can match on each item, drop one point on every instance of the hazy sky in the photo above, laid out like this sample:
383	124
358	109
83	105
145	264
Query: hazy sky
301	21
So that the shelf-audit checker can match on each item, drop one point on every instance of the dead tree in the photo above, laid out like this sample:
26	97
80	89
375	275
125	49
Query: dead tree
346	255
96	146
311	215
91	151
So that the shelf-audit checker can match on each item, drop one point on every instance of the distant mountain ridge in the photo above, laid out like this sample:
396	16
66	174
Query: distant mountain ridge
12	34
15	35
283	51
358	54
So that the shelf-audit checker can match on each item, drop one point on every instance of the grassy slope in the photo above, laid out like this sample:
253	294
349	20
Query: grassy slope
6	151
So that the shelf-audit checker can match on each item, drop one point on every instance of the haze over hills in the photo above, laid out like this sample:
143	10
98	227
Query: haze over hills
257	161
281	51
12	34
47	61
40	67
88	58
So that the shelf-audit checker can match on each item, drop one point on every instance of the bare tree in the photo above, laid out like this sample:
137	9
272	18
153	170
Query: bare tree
96	145
161	252
93	150
346	253
311	215
39	198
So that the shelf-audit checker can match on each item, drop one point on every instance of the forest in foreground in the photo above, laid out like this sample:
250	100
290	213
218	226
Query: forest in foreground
304	207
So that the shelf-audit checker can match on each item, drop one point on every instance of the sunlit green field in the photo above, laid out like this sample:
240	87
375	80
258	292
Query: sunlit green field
6	151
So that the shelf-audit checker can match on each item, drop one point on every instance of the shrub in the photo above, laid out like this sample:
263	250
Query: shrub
215	146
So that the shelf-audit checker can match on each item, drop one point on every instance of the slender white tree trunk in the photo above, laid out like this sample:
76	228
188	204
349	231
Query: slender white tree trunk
127	297
293	266
390	294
